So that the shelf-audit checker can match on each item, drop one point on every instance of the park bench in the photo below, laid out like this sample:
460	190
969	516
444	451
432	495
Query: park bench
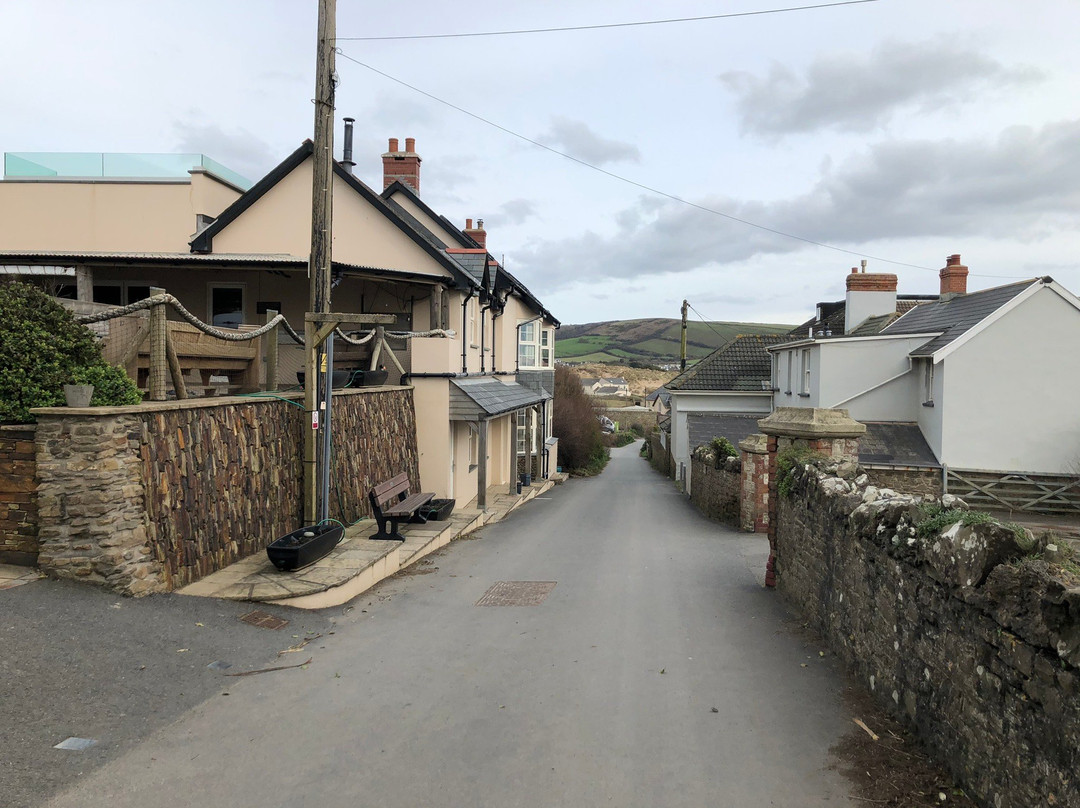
391	502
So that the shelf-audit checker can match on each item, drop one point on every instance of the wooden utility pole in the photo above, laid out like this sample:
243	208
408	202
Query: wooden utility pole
682	341
322	203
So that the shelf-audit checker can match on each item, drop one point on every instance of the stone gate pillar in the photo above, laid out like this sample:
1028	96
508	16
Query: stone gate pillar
754	494
830	433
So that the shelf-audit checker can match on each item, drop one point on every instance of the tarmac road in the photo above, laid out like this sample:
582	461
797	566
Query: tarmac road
657	672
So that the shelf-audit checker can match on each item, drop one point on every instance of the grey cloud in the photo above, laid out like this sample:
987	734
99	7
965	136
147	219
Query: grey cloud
393	112
237	149
1025	183
578	140
515	211
862	92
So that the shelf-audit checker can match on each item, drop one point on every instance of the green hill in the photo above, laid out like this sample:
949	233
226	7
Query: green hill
652	341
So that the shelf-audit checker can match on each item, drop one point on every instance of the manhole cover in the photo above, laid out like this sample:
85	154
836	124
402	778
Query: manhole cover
516	593
263	620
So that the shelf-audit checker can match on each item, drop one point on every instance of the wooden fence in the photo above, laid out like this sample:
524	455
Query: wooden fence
1015	491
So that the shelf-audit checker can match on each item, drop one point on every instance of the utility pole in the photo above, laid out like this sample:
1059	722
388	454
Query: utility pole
682	341
321	242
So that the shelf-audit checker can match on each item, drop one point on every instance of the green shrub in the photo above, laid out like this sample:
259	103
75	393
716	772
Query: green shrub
575	424
786	463
939	518
723	449
41	345
112	386
638	430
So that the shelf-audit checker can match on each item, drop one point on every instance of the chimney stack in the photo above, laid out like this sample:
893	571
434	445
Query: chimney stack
953	278
346	153
402	166
869	294
477	234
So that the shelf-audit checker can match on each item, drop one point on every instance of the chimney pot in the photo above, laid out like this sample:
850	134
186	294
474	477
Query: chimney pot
953	277
410	144
468	224
403	167
393	144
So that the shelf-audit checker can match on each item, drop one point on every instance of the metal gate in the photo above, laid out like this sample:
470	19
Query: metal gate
1015	491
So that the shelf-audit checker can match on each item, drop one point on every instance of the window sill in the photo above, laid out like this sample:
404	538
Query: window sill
804	395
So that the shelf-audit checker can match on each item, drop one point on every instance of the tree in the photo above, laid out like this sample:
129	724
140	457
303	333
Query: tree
574	423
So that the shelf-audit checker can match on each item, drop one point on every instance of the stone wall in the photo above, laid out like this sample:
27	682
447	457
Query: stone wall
18	497
150	498
716	490
906	479
962	633
659	457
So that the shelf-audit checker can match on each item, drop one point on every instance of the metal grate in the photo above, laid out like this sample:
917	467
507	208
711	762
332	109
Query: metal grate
263	620
516	593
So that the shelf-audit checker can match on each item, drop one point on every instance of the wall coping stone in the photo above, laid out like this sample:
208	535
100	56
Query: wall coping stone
755	444
199	403
811	422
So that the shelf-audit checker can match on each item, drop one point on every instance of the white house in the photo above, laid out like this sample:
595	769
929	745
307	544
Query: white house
991	378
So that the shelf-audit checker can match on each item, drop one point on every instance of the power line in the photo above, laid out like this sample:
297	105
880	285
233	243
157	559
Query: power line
640	185
601	26
707	323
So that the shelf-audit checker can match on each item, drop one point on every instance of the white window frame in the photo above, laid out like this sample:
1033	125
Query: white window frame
790	361
474	331
805	368
928	383
520	437
530	336
474	448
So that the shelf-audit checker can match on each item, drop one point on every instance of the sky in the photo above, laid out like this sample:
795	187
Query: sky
899	131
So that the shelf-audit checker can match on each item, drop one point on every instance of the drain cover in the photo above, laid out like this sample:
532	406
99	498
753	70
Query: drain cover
516	593
263	620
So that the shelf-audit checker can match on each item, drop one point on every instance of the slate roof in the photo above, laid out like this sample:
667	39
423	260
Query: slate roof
956	315
661	393
495	398
608	390
741	365
833	314
896	443
702	427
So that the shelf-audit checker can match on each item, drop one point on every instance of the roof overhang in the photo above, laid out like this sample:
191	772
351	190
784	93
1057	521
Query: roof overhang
490	397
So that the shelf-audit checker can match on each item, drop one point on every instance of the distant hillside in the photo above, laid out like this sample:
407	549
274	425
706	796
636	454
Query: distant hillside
653	341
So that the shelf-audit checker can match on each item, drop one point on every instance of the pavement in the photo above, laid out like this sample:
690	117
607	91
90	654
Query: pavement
644	665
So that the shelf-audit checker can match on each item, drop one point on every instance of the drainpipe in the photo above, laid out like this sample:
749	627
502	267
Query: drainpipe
482	337
346	155
464	330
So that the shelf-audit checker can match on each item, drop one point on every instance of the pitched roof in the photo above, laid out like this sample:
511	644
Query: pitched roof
896	443
607	390
495	398
702	427
955	315
741	365
661	393
834	313
397	186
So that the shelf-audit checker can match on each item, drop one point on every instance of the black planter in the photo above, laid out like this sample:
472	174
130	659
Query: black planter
526	479
437	510
296	550
368	378
341	378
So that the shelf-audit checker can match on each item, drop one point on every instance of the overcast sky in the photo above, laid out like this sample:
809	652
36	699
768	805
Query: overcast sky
899	129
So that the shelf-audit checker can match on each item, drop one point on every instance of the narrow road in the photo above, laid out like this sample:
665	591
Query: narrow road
657	672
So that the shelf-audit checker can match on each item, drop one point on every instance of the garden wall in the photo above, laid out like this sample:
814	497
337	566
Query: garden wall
150	498
658	455
18	497
961	632
906	479
716	491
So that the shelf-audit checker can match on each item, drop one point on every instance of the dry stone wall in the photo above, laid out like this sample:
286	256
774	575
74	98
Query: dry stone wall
715	490
18	496
963	633
150	498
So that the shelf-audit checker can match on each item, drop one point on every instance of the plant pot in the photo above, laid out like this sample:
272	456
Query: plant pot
437	510
78	395
341	378
526	479
368	378
304	546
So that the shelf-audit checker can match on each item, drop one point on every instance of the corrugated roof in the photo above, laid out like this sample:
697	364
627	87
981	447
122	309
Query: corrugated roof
741	365
702	427
495	397
897	443
954	316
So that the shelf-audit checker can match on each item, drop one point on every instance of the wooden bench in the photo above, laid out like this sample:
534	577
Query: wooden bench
391	502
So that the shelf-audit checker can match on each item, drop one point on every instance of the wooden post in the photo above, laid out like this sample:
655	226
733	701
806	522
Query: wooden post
380	336
130	359
482	465
174	367
271	352
436	306
158	359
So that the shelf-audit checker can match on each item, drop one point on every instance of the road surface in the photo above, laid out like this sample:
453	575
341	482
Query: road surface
656	672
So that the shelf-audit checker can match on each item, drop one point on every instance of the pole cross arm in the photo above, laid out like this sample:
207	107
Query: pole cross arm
330	321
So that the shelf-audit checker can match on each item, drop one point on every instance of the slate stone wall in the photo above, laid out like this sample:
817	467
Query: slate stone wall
964	634
906	480
715	491
18	496
151	498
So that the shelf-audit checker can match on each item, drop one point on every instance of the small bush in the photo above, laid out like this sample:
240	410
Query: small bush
41	346
619	439
786	463
575	424
939	518
638	430
112	386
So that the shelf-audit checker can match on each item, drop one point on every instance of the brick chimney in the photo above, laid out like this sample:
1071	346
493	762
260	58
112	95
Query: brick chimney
478	233
869	294
953	277
403	166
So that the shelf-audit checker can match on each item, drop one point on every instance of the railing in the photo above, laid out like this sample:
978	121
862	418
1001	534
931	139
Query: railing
1015	491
